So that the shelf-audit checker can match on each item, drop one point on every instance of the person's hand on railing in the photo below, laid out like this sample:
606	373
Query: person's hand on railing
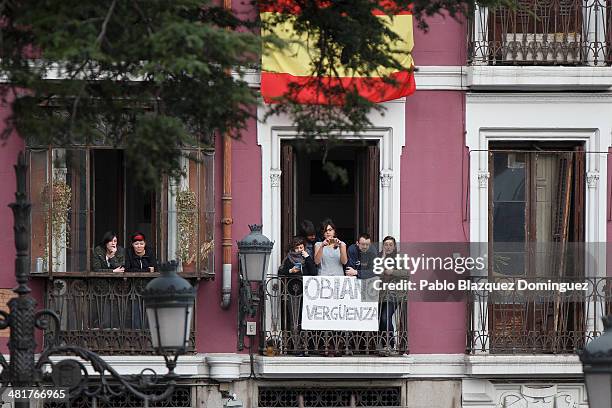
350	271
119	269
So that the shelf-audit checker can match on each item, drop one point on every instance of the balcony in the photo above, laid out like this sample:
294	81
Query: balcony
536	321
542	32
106	314
281	316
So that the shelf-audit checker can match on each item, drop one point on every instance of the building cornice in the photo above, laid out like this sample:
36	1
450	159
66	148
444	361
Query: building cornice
521	98
534	78
224	367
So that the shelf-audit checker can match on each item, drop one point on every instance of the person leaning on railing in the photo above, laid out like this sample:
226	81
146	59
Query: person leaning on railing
296	264
139	257
108	256
388	304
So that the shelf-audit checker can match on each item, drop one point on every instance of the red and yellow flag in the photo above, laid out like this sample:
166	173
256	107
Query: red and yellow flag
292	64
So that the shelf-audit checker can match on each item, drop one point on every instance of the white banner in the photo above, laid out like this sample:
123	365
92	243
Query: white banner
338	303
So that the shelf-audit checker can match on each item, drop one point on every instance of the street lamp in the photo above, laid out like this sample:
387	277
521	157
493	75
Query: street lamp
169	304
597	366
254	256
169	301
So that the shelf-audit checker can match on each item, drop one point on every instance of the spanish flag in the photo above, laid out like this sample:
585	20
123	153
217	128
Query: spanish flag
292	64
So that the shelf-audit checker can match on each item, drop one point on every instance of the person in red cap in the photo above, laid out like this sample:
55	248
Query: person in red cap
139	257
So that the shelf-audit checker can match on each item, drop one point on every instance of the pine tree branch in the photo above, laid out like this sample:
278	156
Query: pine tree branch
105	23
142	15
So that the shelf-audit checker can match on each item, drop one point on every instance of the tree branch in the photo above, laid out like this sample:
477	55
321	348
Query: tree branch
142	15
105	23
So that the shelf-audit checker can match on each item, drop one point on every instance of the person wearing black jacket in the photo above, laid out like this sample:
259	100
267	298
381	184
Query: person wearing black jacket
139	257
298	261
296	264
388	303
361	258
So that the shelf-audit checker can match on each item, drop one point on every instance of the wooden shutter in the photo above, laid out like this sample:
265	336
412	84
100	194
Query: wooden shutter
372	182
287	194
577	233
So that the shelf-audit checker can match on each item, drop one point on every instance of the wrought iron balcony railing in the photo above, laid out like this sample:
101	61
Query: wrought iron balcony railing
542	32
283	335
106	314
537	321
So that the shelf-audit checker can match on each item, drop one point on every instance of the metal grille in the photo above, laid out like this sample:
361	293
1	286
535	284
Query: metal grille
536	321
284	335
542	32
278	397
105	315
181	398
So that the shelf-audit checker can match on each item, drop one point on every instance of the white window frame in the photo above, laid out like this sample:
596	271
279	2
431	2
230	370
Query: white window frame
540	117
387	129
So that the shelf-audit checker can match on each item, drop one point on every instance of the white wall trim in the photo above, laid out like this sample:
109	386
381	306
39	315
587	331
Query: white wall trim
233	366
193	365
388	129
595	228
326	367
517	366
484	77
427	78
441	78
543	394
549	78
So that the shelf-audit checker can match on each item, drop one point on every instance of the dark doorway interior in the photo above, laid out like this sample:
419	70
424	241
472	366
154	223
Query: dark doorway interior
309	192
118	203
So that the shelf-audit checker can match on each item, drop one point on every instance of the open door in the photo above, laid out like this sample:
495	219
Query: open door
287	198
371	182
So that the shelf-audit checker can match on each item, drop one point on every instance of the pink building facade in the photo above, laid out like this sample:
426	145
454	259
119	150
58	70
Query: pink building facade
439	154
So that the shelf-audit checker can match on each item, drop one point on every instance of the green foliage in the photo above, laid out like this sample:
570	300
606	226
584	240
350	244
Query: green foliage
157	75
149	75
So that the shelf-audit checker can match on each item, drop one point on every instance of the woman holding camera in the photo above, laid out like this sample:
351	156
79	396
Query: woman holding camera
330	254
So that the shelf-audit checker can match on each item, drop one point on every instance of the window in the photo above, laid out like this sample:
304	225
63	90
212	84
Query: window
324	397
536	227
536	208
77	194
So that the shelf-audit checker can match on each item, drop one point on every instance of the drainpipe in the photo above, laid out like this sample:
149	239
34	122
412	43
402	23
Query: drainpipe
226	219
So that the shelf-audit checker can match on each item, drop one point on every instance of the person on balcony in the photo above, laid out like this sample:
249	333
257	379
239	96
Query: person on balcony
388	302
139	257
361	258
330	254
296	264
298	261
108	256
308	231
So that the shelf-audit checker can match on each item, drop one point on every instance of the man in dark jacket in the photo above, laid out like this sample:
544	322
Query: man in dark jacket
361	258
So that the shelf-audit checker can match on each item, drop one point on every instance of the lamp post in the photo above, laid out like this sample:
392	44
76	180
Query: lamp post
597	366
169	302
254	256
